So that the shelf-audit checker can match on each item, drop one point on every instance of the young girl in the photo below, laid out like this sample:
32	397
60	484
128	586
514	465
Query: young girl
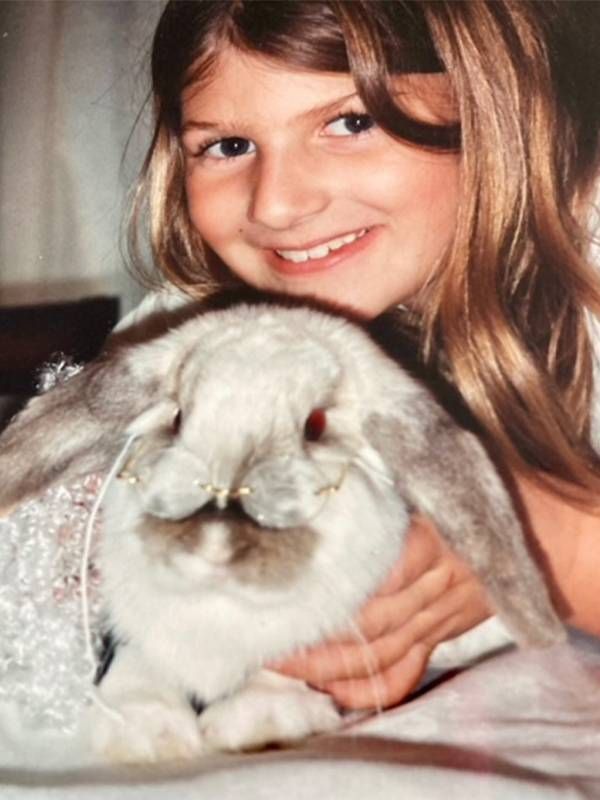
437	155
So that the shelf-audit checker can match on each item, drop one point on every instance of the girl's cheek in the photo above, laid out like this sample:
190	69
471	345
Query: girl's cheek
218	202
204	201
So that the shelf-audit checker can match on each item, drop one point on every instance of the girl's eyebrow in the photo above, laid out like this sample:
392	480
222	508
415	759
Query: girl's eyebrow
316	112
198	125
327	109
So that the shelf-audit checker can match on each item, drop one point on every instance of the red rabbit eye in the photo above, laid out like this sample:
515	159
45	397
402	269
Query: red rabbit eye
315	425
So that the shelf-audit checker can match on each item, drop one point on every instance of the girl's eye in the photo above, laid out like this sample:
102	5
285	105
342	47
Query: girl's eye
231	147
350	124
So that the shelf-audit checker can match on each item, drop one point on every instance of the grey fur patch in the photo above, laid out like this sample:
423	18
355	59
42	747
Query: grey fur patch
72	430
255	555
447	475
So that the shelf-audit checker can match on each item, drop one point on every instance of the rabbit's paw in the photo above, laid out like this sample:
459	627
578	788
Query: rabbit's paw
269	709
143	729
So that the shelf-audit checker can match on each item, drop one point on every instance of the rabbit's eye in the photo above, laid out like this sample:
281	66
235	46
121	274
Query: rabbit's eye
176	423
315	425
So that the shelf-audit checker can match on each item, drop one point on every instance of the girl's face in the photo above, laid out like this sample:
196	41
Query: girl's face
296	190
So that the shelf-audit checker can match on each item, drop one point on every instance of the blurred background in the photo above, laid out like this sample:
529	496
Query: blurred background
74	76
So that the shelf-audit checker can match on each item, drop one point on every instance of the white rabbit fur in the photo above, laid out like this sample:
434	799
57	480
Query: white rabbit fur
199	596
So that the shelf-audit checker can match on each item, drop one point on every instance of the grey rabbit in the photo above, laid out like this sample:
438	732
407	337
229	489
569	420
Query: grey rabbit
276	456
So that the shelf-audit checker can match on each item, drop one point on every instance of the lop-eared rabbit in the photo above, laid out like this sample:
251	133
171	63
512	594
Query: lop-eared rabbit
275	455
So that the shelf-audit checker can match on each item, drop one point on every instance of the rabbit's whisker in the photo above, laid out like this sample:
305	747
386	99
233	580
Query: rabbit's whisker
361	461
369	659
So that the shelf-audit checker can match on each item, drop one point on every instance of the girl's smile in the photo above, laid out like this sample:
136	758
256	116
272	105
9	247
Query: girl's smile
320	255
294	187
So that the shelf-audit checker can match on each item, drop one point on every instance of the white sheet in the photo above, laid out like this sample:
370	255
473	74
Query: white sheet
519	725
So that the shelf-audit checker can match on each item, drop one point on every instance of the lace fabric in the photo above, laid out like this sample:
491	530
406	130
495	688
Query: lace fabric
44	668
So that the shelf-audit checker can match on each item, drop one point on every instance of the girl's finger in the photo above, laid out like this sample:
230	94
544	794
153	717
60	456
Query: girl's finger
390	687
381	616
345	661
449	614
385	689
416	556
386	613
464	606
353	660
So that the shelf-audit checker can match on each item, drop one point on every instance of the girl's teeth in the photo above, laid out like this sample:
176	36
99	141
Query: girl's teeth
297	256
318	252
300	256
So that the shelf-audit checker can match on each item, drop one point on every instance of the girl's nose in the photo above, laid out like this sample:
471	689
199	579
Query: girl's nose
286	190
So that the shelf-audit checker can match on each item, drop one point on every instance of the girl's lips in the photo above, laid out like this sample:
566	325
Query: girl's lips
290	268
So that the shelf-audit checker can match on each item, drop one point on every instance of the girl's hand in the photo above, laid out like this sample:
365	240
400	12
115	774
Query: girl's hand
429	596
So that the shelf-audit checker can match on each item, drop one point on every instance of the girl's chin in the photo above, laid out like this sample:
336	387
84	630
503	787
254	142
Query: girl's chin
339	296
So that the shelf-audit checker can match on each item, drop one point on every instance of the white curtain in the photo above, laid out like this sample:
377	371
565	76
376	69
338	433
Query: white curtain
73	78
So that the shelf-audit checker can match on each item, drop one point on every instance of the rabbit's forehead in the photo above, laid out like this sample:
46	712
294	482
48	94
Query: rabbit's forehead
254	360
264	337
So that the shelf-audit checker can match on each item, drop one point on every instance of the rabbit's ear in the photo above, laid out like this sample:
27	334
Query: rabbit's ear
75	428
444	472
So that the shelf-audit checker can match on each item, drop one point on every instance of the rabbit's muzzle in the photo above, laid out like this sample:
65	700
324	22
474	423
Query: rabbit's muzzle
227	542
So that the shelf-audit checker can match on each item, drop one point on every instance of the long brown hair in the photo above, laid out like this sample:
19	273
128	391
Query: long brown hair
505	314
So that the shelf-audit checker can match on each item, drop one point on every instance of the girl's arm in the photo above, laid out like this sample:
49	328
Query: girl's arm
430	596
569	542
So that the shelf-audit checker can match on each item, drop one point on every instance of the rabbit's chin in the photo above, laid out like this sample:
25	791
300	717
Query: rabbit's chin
188	593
